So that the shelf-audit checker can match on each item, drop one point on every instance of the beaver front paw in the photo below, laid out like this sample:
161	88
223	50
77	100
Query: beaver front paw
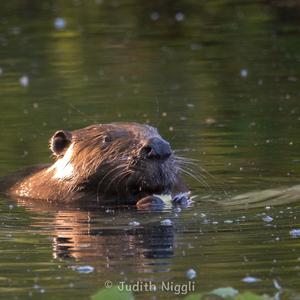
182	199
150	203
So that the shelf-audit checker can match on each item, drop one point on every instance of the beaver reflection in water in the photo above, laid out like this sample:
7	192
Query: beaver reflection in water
120	163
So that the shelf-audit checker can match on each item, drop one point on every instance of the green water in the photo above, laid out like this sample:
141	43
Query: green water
220	79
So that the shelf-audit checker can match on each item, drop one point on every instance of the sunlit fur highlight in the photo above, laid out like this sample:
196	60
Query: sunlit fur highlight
117	164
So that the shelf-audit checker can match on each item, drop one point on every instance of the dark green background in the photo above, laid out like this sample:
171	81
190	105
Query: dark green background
113	62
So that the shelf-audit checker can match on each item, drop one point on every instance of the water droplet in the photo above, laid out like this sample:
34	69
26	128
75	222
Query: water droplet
250	279
166	222
191	274
134	223
84	269
228	221
24	81
59	23
210	121
295	233
154	16
244	73
267	219
179	17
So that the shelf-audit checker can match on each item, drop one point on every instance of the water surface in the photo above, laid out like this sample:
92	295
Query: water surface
220	79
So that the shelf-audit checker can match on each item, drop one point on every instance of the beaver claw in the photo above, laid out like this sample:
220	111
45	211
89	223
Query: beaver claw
182	199
151	203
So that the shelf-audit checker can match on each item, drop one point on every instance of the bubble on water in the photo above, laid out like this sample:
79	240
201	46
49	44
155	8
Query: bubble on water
166	222
210	121
191	274
59	23
228	222
98	2
84	269
179	17
250	279
267	219
35	105
295	233
1	71
24	81
134	223
154	16
244	73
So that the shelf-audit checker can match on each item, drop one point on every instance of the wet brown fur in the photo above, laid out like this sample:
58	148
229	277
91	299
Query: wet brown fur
109	166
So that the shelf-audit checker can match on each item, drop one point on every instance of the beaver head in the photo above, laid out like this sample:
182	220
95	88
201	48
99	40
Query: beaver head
128	160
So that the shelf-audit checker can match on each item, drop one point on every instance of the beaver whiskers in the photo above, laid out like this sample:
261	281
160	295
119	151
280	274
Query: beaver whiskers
125	163
191	167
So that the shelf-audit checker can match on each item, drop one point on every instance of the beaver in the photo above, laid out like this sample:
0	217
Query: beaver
116	163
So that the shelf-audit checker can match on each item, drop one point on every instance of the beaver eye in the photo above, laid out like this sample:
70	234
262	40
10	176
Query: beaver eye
107	139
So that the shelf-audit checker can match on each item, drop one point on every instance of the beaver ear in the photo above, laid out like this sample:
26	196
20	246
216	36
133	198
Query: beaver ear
60	141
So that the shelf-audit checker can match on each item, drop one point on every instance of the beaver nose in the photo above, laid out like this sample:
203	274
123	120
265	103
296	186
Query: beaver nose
157	148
